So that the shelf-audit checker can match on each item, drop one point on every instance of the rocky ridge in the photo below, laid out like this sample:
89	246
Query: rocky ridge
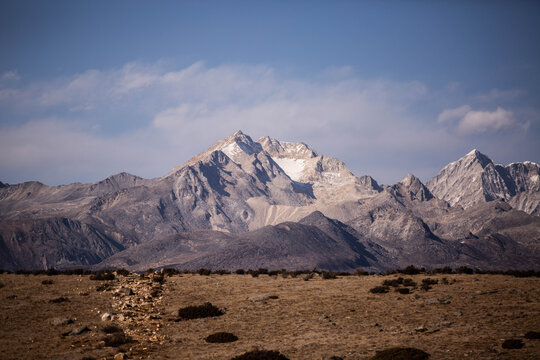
239	190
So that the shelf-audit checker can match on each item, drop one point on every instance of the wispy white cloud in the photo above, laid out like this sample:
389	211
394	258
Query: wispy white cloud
467	121
147	118
475	122
10	76
453	114
500	95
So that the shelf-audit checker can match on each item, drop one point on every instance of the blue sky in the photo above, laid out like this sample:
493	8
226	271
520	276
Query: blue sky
92	88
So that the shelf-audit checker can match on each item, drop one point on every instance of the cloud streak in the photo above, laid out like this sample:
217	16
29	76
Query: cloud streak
147	118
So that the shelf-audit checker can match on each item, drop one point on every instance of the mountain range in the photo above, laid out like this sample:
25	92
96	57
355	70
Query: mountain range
275	204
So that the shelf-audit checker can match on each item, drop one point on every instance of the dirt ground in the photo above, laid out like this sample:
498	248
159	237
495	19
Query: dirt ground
469	317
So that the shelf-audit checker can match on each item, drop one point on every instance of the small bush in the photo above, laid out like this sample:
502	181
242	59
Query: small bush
425	287
47	282
379	290
360	272
261	355
430	281
411	270
222	272
327	275
409	282
123	272
221	337
116	339
444	270
240	272
532	335
309	276
465	270
401	354
200	311
512	344
393	282
58	300
204	272
170	272
111	329
102	275
403	291
274	272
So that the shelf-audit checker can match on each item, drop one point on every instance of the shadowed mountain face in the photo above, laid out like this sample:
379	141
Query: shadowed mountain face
245	203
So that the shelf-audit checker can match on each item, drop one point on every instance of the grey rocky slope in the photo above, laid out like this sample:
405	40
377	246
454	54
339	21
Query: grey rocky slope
475	178
240	186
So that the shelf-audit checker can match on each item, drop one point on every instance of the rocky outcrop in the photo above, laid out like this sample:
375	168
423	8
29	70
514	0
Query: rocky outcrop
218	206
475	178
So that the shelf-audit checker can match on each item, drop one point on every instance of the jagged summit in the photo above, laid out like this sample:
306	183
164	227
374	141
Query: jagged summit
413	188
240	186
474	179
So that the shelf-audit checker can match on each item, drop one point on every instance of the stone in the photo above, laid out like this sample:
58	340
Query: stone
106	317
124	291
324	318
421	328
263	297
59	321
120	356
77	331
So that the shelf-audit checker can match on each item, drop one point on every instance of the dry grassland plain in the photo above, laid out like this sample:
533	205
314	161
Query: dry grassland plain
467	316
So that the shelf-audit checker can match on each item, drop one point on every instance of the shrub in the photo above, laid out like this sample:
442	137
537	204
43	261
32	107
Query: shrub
123	272
222	272
200	311
116	339
393	282
398	353
261	355
411	270
512	344
379	290
170	272
532	335
464	270
425	287
409	282
240	272
328	275
47	282
60	299
274	272
403	291
102	275
444	270
360	272
221	337
309	276
430	281
204	272
110	329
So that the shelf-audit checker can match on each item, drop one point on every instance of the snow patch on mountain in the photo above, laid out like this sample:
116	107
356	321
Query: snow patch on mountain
292	167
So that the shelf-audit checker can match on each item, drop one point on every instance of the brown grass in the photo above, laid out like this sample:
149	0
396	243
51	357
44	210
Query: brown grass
308	320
